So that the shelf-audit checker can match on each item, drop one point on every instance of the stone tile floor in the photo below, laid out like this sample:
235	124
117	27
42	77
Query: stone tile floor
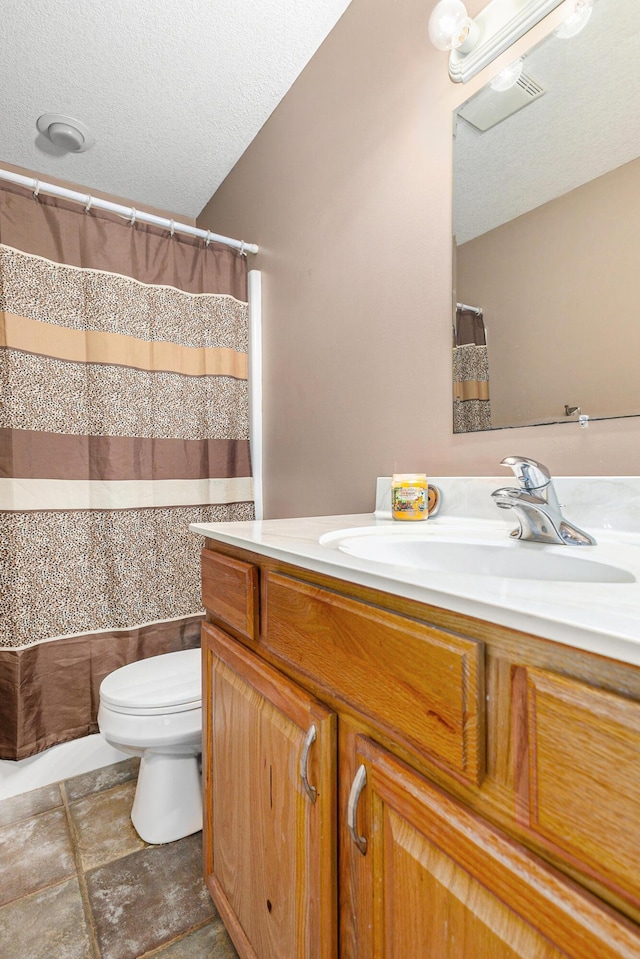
77	882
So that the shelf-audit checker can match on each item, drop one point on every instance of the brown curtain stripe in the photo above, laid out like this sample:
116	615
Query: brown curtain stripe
124	418
69	681
94	346
58	230
29	454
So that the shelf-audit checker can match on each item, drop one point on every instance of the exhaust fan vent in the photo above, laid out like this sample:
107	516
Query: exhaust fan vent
490	107
530	86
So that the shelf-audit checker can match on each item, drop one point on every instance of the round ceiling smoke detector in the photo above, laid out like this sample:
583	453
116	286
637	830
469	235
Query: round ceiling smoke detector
70	135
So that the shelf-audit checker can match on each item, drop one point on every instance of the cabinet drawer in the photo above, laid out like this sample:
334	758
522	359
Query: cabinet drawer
230	592
577	753
423	686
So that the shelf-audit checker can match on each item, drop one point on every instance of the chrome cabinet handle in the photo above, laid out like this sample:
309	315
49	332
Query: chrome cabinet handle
358	784
310	790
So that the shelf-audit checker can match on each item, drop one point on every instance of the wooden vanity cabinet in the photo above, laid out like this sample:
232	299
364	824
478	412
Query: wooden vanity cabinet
422	841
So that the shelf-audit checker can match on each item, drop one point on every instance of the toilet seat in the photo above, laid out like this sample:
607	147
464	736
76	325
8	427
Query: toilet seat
168	683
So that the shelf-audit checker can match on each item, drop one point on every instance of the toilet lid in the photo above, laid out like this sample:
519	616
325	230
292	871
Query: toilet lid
169	682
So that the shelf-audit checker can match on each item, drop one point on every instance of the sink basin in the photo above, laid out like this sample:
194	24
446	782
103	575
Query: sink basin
504	557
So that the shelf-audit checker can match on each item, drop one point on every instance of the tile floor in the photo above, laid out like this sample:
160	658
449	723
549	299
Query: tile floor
77	882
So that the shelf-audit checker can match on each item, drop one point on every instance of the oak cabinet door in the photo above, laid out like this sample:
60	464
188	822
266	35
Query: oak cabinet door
269	768
435	881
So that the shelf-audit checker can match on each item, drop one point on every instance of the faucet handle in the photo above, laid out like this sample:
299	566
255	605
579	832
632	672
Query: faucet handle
530	474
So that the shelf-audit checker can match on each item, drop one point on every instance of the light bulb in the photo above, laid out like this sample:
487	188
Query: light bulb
508	77
577	21
451	28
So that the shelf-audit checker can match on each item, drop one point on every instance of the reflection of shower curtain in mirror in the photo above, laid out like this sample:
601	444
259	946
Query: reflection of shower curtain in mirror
471	405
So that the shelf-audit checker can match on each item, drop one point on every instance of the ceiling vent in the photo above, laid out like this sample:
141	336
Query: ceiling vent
490	107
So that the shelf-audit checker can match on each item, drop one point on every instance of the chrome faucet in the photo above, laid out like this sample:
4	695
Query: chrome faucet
536	506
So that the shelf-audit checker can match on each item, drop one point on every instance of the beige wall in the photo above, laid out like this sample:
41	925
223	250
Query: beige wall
558	287
347	189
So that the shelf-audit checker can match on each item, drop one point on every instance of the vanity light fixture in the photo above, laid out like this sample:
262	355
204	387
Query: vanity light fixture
476	43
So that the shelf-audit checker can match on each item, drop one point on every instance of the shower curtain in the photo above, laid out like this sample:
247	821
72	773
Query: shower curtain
471	403
123	419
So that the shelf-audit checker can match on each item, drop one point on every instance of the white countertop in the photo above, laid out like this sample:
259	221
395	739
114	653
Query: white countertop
603	618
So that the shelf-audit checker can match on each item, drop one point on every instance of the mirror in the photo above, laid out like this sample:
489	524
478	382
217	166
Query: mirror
546	203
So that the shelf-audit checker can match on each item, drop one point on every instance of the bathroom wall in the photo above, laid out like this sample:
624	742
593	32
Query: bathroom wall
347	188
583	247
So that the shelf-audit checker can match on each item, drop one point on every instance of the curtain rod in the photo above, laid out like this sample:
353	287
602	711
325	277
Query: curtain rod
471	309
129	213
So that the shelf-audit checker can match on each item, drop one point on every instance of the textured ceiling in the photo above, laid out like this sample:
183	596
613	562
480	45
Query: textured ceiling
173	90
586	124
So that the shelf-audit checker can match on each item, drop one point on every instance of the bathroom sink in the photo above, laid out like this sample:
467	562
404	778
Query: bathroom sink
500	557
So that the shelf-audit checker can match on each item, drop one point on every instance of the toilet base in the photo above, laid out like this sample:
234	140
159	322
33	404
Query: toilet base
168	800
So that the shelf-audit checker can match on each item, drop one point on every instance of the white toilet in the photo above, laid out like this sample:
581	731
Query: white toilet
153	709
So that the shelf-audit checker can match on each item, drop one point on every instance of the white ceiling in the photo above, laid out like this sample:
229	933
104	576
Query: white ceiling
586	124
173	90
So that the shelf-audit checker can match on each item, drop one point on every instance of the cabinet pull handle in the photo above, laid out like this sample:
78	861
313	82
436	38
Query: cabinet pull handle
358	784
310	738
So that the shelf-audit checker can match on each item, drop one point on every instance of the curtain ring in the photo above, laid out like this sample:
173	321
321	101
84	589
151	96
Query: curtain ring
36	190
173	228
134	213
208	238
87	208
242	253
